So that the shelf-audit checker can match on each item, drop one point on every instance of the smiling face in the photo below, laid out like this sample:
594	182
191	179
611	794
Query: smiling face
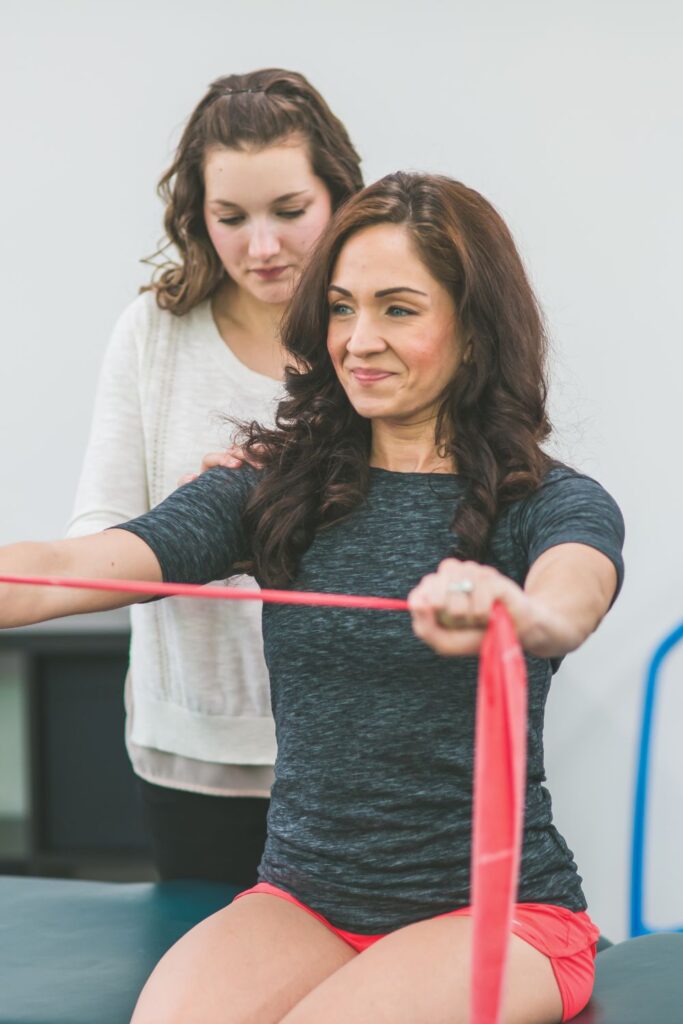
392	333
264	209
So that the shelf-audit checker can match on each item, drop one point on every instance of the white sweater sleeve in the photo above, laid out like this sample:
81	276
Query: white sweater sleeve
113	483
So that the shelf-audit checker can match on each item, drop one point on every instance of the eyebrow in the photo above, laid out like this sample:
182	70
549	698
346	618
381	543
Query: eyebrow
280	199
381	294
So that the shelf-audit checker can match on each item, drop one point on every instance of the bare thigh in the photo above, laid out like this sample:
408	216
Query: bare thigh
420	975
248	964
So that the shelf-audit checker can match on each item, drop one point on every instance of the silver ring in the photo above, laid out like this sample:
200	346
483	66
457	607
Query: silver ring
460	587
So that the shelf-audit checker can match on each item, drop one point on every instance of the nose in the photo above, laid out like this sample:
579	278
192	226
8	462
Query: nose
366	338
263	242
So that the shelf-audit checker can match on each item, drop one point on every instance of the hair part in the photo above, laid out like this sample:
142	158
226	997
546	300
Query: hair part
493	416
253	110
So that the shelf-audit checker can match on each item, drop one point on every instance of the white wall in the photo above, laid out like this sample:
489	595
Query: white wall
567	116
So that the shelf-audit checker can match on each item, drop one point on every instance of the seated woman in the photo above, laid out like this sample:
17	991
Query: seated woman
406	458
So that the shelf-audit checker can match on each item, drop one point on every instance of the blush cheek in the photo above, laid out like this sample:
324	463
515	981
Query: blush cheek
213	232
335	354
301	241
306	232
331	349
419	359
428	368
226	250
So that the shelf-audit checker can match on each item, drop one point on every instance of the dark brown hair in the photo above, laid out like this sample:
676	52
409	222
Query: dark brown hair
492	417
256	109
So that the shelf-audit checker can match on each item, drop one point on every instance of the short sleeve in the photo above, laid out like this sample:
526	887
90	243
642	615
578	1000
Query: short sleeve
569	508
197	533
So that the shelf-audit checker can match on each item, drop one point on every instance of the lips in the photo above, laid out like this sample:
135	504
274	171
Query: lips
370	376
268	273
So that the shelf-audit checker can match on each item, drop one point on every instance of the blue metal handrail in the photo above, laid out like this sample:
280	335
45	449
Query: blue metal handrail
638	925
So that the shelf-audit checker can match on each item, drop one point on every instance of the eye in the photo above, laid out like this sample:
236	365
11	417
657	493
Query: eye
396	312
290	214
231	221
340	309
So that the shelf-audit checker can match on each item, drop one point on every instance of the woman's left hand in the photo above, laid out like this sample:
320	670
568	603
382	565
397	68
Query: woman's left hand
450	608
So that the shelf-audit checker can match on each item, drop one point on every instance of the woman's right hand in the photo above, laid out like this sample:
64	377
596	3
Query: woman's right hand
231	458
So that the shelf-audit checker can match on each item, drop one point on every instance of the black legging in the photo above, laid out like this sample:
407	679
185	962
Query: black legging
214	838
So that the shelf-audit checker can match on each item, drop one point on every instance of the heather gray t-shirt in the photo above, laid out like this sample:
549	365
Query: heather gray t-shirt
370	816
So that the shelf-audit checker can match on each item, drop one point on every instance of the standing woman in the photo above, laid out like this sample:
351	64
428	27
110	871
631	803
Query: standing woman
261	166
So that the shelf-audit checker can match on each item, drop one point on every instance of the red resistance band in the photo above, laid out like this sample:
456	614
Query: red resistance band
499	766
498	810
387	604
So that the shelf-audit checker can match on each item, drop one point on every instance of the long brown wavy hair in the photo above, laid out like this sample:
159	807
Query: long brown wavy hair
256	109
492	418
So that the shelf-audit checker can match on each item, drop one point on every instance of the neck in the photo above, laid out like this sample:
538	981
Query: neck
261	320
251	329
407	448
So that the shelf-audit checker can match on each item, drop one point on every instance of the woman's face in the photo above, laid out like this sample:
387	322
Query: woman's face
392	333
264	209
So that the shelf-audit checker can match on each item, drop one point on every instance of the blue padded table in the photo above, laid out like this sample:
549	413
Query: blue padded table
79	953
638	982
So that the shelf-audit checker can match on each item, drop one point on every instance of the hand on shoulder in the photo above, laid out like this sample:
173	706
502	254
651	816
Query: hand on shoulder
231	458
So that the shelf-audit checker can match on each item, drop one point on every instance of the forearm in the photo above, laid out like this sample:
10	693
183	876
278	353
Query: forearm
112	554
553	632
19	604
569	589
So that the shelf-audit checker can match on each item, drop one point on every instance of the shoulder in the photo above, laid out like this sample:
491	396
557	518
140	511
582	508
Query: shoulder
567	491
133	328
197	532
147	334
144	319
211	502
139	315
568	507
220	484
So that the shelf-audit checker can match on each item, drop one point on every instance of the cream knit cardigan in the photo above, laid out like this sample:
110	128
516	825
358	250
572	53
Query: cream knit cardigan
197	693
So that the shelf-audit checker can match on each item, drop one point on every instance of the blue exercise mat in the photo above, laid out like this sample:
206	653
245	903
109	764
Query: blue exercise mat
79	953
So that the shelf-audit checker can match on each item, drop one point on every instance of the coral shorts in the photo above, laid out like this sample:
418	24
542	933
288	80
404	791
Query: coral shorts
566	937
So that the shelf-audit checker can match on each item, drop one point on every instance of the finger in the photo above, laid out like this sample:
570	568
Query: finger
459	642
213	459
483	597
431	594
453	620
494	587
253	456
454	608
187	479
428	624
466	594
421	616
420	595
449	642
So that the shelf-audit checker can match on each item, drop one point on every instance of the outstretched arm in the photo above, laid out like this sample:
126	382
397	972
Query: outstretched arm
114	554
194	536
571	533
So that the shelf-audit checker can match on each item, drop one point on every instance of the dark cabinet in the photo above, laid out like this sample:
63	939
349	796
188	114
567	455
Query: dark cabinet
83	814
